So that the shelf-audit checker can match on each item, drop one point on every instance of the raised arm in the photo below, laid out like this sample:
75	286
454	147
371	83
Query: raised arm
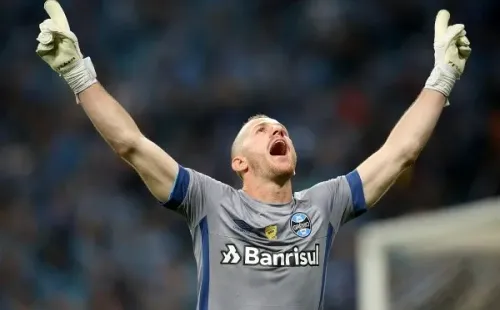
403	146
58	47
157	169
413	130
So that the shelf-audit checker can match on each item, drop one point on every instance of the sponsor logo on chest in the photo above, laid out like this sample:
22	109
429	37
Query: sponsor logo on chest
253	256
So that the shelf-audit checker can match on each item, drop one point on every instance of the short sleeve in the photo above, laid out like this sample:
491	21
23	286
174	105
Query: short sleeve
342	197
193	195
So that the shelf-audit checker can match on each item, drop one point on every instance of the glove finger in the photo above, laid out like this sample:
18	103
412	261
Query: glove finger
454	32
45	38
43	25
44	49
463	41
441	23
48	25
56	13
464	51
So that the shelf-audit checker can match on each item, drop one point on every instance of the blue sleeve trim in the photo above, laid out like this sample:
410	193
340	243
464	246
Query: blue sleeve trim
357	194
179	190
328	247
205	266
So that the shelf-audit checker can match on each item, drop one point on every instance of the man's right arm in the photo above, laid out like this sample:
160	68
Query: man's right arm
185	191
157	169
58	47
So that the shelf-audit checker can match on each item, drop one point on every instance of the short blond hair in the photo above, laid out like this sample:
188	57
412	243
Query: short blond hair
235	145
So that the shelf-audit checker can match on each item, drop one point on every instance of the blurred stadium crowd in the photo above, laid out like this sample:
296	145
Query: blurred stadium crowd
78	230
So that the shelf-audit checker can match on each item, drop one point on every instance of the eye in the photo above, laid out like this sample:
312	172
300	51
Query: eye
261	129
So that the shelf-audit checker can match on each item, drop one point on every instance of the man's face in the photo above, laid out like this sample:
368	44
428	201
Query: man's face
268	149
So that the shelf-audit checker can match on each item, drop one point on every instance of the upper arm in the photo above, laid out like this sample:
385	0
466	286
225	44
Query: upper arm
155	167
342	197
379	172
183	190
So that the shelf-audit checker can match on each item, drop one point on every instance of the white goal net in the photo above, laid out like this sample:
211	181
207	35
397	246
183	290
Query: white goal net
444	260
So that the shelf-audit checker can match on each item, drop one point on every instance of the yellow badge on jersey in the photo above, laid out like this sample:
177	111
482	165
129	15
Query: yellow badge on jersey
271	232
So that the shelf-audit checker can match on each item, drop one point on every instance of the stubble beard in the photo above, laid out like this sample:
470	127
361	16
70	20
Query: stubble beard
272	171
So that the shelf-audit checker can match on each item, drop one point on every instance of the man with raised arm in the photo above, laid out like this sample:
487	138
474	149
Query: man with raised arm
262	246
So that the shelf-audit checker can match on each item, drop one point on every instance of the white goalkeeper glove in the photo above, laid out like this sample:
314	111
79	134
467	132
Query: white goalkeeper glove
58	47
451	51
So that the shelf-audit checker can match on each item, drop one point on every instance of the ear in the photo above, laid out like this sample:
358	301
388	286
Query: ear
239	164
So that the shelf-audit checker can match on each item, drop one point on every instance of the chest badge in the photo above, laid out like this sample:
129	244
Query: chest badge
271	232
300	224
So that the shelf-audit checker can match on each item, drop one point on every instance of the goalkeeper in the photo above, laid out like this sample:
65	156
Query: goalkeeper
263	246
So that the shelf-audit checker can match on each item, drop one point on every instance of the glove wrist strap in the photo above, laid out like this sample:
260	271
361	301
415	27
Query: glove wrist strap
442	79
81	76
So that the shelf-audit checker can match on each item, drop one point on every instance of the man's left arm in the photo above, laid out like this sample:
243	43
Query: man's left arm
407	139
413	130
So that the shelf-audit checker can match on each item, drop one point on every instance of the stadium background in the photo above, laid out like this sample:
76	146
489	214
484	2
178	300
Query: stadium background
78	230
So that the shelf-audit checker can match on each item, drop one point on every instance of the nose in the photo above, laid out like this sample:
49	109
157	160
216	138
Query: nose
278	131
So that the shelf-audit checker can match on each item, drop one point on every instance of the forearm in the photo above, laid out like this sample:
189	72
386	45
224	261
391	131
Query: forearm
157	169
59	48
411	133
413	130
110	119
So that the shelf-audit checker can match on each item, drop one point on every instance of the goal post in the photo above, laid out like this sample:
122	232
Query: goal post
446	260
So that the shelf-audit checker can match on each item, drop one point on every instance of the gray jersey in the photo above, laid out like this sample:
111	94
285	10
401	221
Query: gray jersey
252	255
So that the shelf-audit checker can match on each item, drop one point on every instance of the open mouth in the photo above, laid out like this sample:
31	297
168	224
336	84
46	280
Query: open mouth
278	148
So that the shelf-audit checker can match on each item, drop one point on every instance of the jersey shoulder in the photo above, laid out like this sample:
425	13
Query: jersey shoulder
196	195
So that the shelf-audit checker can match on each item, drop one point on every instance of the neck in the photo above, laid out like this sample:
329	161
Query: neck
267	191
